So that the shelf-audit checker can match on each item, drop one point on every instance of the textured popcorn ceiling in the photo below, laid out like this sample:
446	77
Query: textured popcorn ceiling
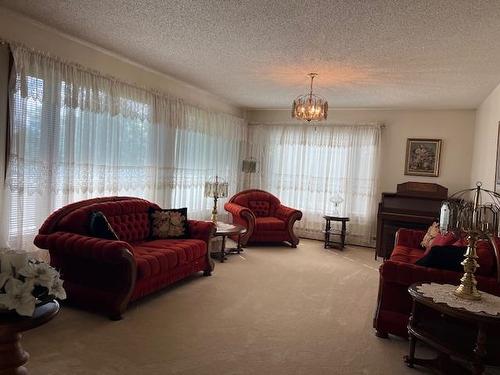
256	53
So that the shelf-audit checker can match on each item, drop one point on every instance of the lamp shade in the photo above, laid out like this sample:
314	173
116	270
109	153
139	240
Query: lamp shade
249	166
216	188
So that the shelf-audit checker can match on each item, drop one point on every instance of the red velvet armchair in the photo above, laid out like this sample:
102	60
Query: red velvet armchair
400	271
106	275
264	217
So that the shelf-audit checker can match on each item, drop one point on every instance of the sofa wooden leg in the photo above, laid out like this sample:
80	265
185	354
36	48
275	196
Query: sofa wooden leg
207	273
381	334
115	316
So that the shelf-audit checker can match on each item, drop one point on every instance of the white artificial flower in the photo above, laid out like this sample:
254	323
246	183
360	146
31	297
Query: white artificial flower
4	276
57	290
12	261
41	273
18	297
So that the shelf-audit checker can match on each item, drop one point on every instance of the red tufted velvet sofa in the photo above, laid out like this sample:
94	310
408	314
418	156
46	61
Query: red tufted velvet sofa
264	217
400	271
106	275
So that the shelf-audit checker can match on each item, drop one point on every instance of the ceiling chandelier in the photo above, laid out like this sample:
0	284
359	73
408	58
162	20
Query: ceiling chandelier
310	107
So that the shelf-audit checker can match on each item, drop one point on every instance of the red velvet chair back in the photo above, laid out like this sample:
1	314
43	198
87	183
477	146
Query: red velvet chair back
128	217
260	202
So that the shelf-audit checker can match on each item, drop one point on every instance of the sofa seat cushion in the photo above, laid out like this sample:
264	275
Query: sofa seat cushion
160	256
269	223
406	254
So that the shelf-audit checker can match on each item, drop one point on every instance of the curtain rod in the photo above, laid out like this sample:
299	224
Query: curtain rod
108	76
278	123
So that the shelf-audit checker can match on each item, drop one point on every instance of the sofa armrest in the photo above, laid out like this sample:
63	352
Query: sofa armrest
201	230
97	273
286	213
406	274
409	237
73	244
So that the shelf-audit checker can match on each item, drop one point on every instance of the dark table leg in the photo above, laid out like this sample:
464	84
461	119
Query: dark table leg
223	250
342	235
480	350
327	233
13	355
238	246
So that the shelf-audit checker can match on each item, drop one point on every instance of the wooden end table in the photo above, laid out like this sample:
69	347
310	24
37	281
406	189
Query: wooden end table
224	230
13	356
329	243
453	332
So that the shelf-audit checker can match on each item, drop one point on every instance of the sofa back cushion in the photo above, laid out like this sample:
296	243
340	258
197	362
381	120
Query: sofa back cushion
486	259
261	203
128	218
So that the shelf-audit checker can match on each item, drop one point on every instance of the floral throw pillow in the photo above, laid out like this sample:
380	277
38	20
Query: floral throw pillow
170	223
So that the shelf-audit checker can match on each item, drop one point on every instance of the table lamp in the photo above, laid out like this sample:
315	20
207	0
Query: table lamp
478	219
216	188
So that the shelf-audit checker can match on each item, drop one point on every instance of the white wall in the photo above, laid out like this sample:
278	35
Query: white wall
454	127
485	140
15	27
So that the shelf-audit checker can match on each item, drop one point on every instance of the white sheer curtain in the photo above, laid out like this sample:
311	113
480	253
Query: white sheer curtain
75	134
307	165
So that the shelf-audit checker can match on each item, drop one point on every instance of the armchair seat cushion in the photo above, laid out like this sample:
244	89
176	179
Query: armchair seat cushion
269	224
159	256
406	254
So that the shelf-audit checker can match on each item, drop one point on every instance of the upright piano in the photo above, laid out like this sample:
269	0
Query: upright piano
415	205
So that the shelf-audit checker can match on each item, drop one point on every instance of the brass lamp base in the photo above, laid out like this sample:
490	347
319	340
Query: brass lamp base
467	289
214	211
467	292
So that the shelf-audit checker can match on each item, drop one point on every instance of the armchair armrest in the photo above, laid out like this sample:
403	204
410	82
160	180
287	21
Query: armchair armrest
201	230
239	211
286	213
409	237
242	216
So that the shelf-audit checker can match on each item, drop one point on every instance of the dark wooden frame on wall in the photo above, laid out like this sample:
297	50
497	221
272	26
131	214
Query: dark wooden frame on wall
497	164
435	172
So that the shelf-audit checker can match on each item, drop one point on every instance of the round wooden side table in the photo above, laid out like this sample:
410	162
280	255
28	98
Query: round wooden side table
224	230
455	333
12	355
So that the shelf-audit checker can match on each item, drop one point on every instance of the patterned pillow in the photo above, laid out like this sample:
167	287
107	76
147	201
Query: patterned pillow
170	223
99	226
432	232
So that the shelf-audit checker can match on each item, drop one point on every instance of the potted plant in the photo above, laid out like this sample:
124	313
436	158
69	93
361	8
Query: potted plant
26	283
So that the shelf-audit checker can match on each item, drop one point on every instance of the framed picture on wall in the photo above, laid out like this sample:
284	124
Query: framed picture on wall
497	170
422	157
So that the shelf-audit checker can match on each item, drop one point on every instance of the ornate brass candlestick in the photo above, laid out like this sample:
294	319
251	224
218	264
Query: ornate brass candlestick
467	288
479	221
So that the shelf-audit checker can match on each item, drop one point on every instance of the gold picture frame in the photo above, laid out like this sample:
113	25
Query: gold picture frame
422	157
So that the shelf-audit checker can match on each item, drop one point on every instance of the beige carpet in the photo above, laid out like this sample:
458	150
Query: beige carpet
273	310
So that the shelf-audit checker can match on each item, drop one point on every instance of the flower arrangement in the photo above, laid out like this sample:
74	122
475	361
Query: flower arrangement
25	283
